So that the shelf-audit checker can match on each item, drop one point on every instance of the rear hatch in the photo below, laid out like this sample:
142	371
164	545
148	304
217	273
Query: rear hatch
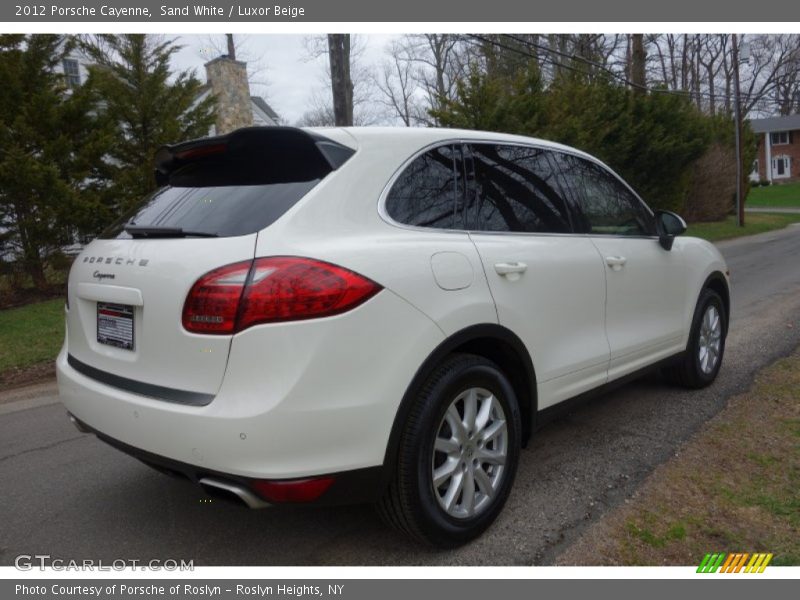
127	289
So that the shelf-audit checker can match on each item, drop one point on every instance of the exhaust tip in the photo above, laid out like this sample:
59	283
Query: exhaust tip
227	490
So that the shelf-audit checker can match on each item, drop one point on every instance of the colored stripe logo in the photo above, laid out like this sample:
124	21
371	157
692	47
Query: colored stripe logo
734	563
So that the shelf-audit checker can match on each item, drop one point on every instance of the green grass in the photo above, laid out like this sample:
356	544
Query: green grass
786	195
676	531
734	487
30	334
753	223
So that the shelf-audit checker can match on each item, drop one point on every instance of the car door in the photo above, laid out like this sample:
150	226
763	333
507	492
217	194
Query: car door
547	283
645	284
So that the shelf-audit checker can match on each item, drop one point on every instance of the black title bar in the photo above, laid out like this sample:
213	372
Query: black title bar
441	11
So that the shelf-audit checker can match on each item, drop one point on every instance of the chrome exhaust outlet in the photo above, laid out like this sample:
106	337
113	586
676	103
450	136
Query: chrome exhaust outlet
226	488
78	425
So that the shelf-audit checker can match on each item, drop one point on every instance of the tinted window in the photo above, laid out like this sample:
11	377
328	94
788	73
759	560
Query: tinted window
514	188
235	184
222	210
425	193
605	204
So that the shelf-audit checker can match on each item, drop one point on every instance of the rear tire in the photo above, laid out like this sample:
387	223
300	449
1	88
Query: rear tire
457	455
700	364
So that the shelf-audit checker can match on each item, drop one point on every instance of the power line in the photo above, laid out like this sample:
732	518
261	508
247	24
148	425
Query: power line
762	104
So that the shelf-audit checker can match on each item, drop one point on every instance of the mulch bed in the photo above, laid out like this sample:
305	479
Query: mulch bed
16	378
21	297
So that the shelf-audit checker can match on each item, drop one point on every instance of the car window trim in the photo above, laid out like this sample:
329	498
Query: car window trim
384	214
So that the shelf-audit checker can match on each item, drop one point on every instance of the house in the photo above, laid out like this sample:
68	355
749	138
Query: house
778	157
226	79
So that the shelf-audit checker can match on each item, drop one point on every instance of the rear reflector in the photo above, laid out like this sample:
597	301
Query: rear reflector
297	490
268	290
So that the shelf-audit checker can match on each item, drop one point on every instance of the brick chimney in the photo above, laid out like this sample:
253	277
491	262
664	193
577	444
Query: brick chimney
228	80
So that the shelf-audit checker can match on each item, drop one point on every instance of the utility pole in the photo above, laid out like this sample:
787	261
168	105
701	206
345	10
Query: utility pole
737	115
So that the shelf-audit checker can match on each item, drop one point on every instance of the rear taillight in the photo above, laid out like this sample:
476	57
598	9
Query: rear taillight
295	490
268	290
213	301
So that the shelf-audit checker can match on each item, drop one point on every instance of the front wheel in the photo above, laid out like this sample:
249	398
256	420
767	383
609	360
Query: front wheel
458	454
702	360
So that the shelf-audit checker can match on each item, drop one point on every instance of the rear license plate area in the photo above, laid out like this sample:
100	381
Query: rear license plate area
115	325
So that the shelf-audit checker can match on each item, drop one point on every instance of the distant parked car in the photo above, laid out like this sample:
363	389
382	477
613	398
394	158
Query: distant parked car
340	315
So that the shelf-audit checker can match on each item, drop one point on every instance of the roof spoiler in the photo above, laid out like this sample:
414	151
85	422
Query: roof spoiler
290	153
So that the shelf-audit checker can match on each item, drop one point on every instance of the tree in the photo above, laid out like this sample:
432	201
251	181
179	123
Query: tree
651	140
511	103
398	87
149	105
51	146
365	106
638	60
341	84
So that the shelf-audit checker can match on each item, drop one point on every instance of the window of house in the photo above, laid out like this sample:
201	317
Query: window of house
72	72
514	188
777	138
425	194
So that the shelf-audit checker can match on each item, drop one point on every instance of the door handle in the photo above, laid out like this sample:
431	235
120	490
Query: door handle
616	262
510	270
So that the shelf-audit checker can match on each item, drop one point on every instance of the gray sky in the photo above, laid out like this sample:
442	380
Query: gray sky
286	76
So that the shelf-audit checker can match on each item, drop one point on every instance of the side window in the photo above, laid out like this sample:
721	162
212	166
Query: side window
425	193
514	188
606	206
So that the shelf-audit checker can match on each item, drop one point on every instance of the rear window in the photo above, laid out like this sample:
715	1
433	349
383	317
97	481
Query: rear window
224	211
233	185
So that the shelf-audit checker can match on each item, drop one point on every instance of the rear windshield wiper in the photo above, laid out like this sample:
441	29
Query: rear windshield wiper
154	231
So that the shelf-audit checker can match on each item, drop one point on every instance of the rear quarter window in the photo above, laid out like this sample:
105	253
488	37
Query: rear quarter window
425	194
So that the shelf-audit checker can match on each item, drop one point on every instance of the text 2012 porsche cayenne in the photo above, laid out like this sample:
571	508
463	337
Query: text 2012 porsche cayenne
345	315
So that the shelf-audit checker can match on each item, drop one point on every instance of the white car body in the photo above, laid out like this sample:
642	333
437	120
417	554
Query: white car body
323	396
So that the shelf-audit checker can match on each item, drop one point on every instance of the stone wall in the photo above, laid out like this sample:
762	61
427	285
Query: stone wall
228	81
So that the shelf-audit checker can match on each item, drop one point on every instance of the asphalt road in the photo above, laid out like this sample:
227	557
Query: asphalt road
70	496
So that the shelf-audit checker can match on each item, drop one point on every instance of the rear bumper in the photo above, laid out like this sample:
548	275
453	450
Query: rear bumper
348	487
297	400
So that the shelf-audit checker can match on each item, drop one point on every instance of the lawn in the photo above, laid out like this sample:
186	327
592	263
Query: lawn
785	195
753	223
734	488
30	335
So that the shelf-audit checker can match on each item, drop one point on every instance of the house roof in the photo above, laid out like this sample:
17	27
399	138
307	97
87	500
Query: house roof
262	104
769	124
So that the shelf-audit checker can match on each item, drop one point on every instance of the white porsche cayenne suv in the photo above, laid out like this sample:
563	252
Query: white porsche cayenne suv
366	314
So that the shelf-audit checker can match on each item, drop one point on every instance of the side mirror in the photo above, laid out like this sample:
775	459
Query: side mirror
669	225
